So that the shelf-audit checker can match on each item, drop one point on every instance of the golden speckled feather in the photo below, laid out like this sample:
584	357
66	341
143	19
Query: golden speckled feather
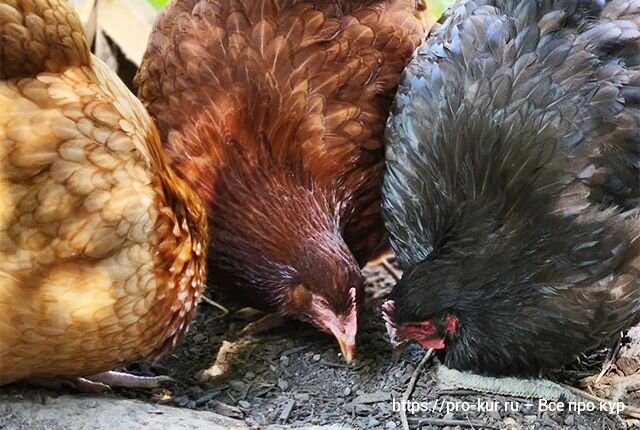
102	247
274	111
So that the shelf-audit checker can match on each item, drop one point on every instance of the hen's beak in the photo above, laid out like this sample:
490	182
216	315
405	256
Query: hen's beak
348	348
344	326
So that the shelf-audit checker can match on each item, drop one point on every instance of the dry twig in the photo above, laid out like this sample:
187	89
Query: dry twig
216	305
610	360
395	273
410	387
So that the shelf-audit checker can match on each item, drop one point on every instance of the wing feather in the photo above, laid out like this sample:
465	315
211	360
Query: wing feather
308	82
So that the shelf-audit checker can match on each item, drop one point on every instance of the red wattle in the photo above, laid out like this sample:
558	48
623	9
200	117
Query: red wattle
437	343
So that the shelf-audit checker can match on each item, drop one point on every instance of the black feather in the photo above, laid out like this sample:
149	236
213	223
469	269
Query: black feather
512	191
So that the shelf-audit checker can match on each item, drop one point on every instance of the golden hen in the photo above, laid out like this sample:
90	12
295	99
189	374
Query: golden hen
274	110
102	246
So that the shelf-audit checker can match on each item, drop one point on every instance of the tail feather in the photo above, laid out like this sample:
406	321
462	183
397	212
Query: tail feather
40	36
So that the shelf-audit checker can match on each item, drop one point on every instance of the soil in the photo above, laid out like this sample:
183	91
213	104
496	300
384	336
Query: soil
294	376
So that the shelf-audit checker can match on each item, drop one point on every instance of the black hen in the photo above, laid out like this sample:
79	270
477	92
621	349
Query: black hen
512	187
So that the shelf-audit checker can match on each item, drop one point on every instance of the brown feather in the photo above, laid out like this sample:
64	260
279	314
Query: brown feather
102	246
274	111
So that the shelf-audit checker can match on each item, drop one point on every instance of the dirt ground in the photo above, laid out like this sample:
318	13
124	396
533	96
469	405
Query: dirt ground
294	376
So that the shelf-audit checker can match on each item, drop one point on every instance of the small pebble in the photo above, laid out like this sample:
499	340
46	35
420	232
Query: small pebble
347	391
244	404
249	376
550	420
284	385
200	338
195	392
362	410
237	385
494	414
181	401
316	357
373	423
204	399
284	360
509	422
385	409
390	425
570	420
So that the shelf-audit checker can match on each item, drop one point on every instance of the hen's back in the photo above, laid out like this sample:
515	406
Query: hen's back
308	82
536	102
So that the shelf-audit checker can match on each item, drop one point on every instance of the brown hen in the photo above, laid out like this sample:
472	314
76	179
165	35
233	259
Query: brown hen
102	246
274	111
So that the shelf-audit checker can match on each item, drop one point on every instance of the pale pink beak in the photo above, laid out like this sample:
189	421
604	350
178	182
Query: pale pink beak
347	346
344	328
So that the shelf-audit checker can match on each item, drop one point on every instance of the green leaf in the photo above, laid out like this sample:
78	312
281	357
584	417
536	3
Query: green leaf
437	7
158	4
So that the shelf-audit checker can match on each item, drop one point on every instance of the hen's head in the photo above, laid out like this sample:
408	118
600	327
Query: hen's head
278	241
330	305
323	285
523	299
476	319
416	312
